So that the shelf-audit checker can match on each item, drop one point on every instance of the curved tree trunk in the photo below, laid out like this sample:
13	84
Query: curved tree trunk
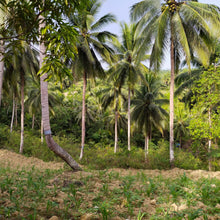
116	130
129	119
22	114
1	68
13	114
45	114
83	116
172	99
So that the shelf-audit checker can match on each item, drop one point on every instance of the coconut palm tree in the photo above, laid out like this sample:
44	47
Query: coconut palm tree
181	122
3	12
113	96
185	81
10	86
20	61
147	111
91	41
45	109
1	68
33	101
184	27
127	68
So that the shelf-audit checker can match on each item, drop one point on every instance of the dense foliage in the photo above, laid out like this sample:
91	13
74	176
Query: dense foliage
122	109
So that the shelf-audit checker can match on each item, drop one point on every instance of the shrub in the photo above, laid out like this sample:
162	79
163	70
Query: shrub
186	160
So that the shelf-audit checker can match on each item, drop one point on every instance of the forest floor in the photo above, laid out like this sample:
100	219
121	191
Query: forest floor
33	189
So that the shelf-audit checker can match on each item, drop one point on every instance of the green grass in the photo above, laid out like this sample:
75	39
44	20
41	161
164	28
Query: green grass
105	194
158	157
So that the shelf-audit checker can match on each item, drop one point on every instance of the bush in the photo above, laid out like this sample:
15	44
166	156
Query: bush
100	155
158	157
186	160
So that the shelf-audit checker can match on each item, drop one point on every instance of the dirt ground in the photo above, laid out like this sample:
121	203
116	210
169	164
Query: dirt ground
17	161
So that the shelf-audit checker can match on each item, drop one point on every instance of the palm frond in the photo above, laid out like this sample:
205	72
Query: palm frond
160	43
104	20
139	9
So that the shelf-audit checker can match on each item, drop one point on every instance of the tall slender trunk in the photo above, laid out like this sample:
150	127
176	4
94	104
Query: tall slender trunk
172	98
1	68
116	130
146	145
13	113
83	116
22	114
210	141
45	113
129	119
16	112
42	131
33	119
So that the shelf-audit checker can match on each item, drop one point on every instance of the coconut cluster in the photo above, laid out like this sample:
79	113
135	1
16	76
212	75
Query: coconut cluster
171	4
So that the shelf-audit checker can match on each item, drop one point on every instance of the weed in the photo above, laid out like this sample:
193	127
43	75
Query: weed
105	188
140	215
151	187
105	210
51	205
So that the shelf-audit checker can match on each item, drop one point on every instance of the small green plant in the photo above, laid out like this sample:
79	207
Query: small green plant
105	188
140	215
51	205
73	196
105	210
151	187
175	191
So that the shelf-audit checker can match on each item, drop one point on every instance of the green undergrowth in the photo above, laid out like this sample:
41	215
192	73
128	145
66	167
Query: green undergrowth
105	194
100	155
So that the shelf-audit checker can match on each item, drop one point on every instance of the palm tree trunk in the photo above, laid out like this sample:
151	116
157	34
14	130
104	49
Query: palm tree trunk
209	141
116	130
129	119
22	114
42	131
83	116
172	99
33	119
16	112
1	68
13	113
146	146
45	113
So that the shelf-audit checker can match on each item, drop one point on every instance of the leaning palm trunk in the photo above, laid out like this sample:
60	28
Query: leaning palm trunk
13	114
172	100
83	117
1	68
116	130
129	119
22	114
45	114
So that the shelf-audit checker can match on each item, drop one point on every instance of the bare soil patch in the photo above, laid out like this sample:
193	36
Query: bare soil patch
18	161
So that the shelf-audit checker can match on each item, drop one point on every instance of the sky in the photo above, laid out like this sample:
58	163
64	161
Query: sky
121	8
